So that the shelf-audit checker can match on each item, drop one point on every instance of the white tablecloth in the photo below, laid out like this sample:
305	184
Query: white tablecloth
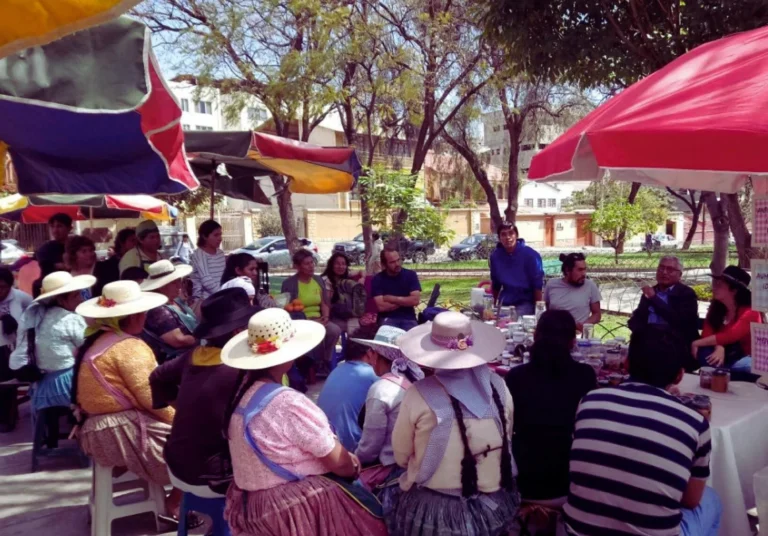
739	447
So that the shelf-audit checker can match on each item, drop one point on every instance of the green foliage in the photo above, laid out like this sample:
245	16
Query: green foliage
703	291
195	202
269	223
599	43
388	191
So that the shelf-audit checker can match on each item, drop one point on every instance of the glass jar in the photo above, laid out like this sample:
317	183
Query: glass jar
613	359
488	313
705	377
720	380
513	314
587	331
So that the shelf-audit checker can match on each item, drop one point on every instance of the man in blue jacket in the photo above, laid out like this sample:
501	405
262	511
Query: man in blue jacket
517	272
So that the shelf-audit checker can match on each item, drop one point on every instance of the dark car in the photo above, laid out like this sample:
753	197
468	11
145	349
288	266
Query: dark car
416	250
476	246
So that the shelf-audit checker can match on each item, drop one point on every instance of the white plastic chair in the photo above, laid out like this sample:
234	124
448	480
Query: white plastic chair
103	509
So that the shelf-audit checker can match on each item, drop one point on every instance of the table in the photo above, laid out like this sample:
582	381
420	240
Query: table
739	447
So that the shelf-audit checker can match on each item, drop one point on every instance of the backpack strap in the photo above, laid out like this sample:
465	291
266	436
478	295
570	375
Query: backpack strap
260	400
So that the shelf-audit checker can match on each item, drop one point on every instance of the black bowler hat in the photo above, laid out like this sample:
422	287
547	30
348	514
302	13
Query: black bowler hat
735	276
223	312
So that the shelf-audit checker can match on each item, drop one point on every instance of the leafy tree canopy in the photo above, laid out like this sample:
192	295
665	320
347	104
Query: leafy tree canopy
610	43
389	191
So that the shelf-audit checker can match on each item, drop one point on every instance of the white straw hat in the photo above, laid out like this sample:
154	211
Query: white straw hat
57	283
452	341
121	298
161	273
272	339
385	342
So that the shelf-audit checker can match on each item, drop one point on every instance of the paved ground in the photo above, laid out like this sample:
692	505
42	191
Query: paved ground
54	499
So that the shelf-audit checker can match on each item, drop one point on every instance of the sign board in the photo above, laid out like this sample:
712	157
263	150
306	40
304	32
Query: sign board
760	285
760	349
760	221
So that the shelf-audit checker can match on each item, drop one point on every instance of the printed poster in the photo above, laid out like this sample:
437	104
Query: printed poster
760	349
760	285
760	221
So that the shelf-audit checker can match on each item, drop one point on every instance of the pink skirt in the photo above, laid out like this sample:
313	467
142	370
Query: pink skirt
314	506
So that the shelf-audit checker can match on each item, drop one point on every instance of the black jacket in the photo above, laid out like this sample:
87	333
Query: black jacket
681	313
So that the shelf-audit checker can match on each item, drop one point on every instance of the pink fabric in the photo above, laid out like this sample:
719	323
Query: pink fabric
291	431
400	381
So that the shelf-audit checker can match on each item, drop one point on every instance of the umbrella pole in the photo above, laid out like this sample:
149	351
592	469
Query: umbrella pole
90	210
213	188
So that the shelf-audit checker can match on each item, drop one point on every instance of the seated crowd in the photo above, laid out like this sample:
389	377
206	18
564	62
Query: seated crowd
412	433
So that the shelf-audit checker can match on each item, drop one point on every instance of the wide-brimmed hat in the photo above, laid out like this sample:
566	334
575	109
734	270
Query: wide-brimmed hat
734	275
223	312
272	339
452	341
57	283
384	342
161	273
121	298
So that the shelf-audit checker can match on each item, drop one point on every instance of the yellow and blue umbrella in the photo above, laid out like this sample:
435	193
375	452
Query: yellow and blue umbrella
28	23
91	114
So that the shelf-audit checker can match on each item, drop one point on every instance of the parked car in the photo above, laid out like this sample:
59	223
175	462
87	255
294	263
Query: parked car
476	246
416	250
662	241
274	250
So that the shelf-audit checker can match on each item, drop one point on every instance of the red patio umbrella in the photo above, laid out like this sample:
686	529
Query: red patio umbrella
700	122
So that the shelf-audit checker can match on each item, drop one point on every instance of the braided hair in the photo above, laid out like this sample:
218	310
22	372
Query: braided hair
469	463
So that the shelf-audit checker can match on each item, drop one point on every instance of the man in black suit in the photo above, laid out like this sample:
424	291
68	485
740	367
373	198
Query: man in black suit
669	305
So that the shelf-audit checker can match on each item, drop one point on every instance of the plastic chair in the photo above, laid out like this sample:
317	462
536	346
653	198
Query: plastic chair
339	355
203	500
40	437
102	507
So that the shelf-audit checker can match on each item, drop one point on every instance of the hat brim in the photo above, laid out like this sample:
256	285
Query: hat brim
238	319
237	354
385	350
487	344
146	302
180	271
731	279
79	282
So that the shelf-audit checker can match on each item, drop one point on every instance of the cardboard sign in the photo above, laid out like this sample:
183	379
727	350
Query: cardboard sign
760	349
760	285
760	221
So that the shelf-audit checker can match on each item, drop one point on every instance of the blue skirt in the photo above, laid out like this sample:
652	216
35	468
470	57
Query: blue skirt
423	512
54	389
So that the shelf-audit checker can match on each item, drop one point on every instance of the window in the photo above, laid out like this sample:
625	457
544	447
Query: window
552	203
256	115
528	202
203	128
204	107
184	105
541	203
184	127
527	147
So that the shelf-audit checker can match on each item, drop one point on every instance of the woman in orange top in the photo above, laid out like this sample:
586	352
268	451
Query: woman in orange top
726	338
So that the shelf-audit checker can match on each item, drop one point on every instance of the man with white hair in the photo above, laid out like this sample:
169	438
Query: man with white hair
669	305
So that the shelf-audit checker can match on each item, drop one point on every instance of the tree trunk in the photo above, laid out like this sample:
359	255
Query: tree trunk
480	175
741	234
718	214
623	233
510	214
694	225
287	219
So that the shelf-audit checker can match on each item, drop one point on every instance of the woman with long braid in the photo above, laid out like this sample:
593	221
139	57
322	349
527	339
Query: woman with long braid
453	435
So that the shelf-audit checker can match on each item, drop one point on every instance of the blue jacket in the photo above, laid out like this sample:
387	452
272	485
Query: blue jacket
520	273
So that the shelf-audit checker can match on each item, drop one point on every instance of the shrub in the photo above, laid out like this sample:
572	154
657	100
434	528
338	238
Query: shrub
703	291
269	223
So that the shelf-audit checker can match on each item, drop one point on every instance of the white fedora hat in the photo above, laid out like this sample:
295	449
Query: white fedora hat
121	298
385	342
57	283
161	273
452	341
272	339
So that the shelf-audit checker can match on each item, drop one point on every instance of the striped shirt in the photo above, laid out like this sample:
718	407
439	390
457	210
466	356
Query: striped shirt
207	272
634	449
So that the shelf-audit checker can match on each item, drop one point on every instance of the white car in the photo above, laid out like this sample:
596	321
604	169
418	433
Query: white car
274	251
662	241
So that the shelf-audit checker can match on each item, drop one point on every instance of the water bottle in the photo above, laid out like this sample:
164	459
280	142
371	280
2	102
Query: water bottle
512	314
